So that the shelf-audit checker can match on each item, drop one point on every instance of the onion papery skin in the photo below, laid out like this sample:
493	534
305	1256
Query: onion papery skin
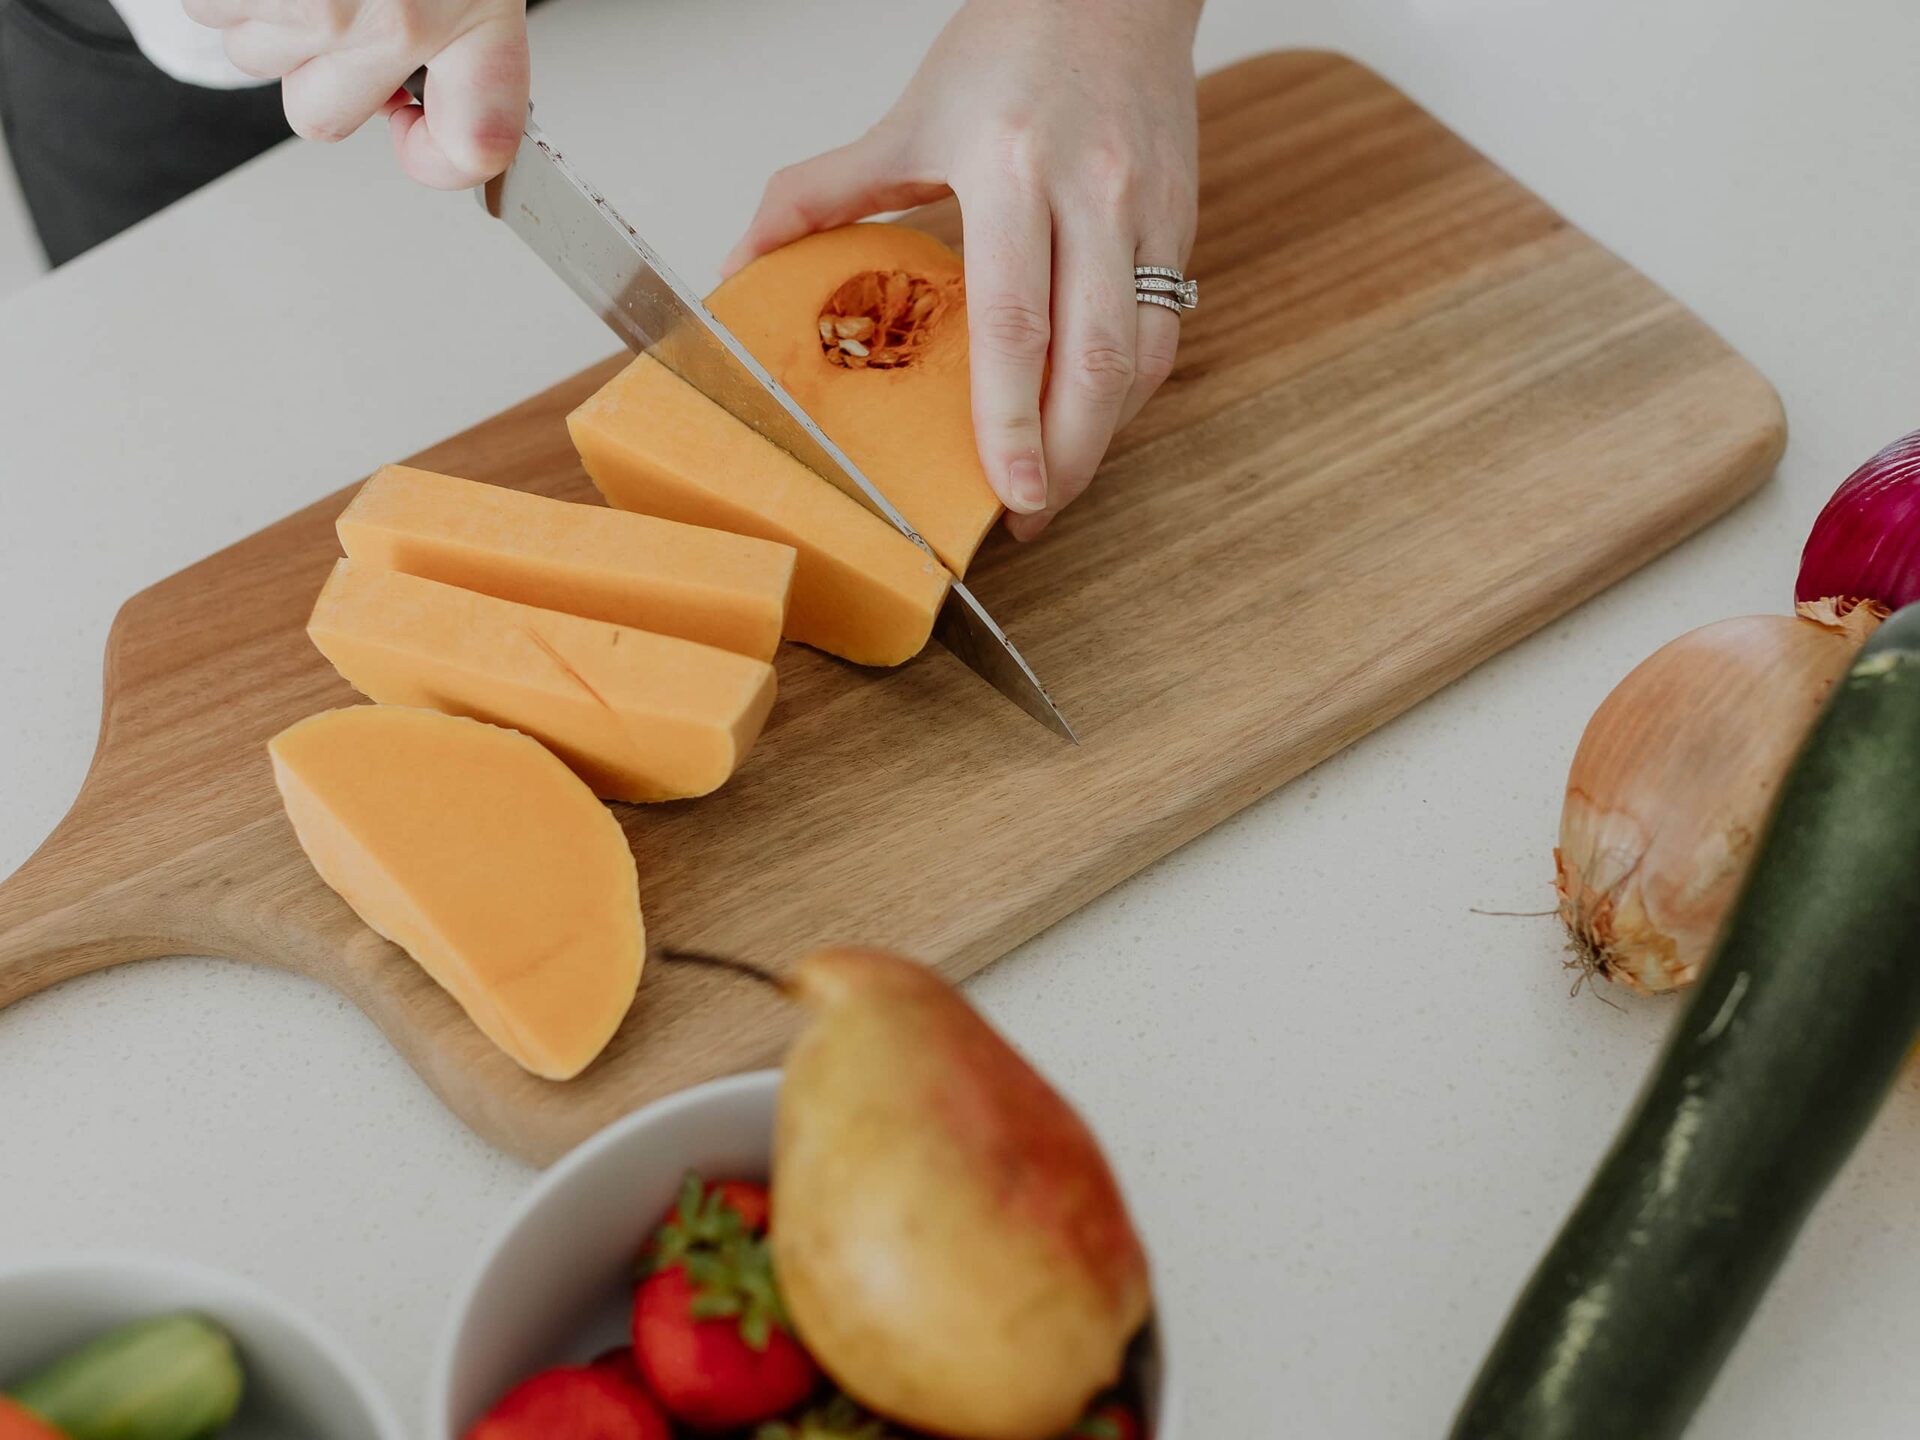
1673	780
1865	545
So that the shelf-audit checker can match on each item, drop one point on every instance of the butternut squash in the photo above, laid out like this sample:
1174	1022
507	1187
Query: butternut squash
638	716
866	326
474	850
698	584
654	444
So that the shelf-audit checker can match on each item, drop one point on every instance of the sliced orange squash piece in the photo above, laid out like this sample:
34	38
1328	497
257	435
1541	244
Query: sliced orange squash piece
866	326
705	585
477	852
861	590
638	716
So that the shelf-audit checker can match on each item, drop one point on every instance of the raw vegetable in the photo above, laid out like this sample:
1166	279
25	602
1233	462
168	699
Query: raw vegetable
867	326
1672	781
704	585
1865	545
950	1241
1802	1021
574	1402
480	855
637	716
174	1377
19	1423
861	590
710	1334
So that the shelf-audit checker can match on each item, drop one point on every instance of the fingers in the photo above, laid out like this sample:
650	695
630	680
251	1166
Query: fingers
1168	240
1157	340
1092	374
836	188
1009	263
266	51
475	110
223	14
330	96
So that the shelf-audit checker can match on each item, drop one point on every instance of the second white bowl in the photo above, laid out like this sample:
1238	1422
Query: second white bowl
554	1283
301	1384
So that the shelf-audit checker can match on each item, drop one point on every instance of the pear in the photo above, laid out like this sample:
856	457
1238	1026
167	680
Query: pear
949	1240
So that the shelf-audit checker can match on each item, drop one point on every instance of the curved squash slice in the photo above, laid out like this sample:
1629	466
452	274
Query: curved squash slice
638	716
699	584
477	852
866	326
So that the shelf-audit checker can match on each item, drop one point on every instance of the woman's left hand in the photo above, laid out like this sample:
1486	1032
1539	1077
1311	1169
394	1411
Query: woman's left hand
1067	131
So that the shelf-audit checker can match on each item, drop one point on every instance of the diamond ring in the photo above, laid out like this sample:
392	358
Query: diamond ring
1165	286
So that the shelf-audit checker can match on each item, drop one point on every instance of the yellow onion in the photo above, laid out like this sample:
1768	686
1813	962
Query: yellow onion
1674	778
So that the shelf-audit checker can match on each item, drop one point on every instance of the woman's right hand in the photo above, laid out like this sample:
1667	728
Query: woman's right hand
341	62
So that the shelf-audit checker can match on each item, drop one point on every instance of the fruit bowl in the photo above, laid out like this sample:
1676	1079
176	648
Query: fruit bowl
299	1381
552	1286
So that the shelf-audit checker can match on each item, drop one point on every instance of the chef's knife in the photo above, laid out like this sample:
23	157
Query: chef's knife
570	225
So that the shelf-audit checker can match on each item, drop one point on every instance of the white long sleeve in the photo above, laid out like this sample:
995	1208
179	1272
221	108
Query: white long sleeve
187	51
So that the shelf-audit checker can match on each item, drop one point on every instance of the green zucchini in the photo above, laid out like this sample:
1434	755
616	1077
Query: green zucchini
1802	1021
175	1377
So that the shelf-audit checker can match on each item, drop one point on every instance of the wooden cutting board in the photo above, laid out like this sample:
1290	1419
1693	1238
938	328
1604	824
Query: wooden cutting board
1417	416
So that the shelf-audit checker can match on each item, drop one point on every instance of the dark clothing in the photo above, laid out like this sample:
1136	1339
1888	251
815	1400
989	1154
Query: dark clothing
100	136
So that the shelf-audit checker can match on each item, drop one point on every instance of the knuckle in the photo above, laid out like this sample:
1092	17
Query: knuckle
1015	328
1103	371
1111	174
1155	364
1017	154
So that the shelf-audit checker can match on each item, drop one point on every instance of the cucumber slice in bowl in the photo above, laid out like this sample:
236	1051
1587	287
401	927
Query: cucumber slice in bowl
174	1377
1799	1027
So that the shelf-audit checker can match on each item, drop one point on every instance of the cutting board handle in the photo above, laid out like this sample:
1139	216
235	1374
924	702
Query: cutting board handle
106	886
52	930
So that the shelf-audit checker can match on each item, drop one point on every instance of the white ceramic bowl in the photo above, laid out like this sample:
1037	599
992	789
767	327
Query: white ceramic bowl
301	1385
553	1284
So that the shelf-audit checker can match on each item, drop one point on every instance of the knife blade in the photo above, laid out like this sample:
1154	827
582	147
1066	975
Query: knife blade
570	225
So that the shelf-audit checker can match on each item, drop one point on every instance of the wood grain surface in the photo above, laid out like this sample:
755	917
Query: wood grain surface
1417	416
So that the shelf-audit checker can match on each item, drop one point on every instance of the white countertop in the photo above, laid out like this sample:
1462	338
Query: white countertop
1350	1111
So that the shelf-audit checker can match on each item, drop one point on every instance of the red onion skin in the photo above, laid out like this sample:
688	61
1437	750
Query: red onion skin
1866	544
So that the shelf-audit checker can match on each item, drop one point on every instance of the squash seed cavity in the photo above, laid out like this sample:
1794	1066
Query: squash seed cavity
882	319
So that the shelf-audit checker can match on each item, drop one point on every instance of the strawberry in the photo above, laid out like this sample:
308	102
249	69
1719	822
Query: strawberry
749	1201
1109	1420
839	1419
709	1333
574	1402
707	1371
619	1361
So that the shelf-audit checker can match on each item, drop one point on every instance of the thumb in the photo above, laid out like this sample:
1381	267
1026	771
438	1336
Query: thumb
474	112
836	188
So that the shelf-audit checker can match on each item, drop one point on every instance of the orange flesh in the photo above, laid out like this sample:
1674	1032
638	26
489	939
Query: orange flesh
698	584
475	851
903	411
654	444
19	1423
638	716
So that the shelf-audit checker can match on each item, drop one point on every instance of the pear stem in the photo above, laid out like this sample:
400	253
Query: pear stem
724	962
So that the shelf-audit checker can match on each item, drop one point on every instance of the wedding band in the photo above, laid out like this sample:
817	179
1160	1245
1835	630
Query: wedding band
1165	286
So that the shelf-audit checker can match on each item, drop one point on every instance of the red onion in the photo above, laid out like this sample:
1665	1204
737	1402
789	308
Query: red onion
1866	544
